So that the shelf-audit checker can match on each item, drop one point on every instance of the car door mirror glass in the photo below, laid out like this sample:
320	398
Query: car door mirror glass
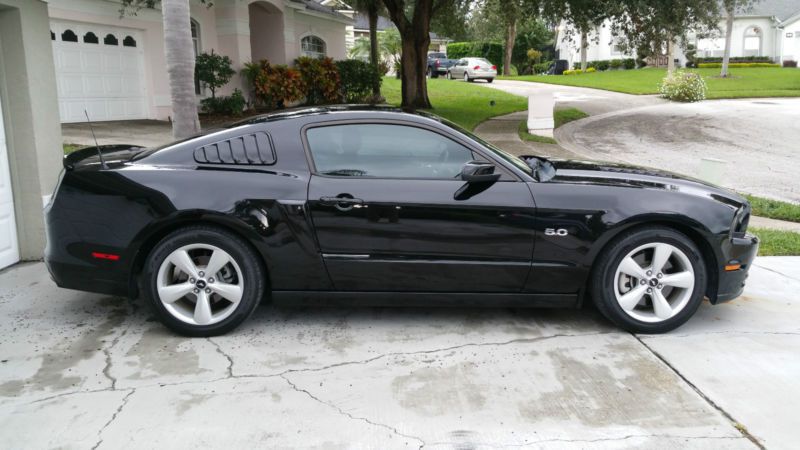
479	172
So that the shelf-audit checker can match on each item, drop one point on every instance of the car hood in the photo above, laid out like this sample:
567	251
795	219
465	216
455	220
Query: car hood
624	175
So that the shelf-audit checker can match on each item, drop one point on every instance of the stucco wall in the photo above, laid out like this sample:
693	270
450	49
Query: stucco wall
791	45
30	108
333	33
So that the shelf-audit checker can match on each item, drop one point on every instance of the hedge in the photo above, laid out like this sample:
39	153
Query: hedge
605	64
492	51
736	65
737	59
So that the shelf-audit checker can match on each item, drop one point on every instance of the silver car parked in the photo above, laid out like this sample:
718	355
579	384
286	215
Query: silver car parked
471	69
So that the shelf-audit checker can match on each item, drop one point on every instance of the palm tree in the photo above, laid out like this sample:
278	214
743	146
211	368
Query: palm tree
180	67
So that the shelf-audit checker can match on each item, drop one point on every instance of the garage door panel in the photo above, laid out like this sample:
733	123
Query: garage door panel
106	80
9	250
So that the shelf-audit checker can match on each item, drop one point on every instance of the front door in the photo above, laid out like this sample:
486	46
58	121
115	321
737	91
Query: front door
392	214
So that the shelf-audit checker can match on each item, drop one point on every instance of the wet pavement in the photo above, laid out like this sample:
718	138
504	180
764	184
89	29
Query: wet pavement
80	370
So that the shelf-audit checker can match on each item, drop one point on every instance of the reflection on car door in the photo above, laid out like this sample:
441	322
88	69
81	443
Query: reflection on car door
383	203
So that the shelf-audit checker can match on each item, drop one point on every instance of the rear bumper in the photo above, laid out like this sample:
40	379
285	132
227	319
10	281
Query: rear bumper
731	283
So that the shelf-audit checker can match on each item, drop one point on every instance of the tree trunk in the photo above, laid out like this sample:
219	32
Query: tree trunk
413	65
415	36
670	54
511	38
180	67
728	35
374	55
584	47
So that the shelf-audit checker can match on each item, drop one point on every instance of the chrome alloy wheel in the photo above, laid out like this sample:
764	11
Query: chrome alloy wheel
654	282
200	284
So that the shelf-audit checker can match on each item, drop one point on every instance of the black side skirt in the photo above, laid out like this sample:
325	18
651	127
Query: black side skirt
421	299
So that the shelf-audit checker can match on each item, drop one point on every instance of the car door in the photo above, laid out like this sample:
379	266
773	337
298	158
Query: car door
391	213
458	69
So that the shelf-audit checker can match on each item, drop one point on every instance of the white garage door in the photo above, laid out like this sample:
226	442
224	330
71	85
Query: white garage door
98	69
9	251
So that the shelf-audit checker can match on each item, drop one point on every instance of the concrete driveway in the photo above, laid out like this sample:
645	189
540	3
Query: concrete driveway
89	371
753	142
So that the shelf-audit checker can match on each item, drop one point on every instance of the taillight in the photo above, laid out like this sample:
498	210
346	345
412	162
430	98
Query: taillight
476	67
494	67
436	63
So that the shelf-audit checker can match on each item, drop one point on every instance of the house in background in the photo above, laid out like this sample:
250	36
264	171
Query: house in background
360	29
770	28
114	67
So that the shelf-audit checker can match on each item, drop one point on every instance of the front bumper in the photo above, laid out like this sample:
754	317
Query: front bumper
731	283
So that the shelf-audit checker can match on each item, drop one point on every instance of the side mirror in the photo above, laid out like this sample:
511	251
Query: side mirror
479	172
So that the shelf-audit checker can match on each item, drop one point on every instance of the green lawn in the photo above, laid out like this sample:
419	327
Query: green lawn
745	82
774	209
466	104
777	243
69	148
525	136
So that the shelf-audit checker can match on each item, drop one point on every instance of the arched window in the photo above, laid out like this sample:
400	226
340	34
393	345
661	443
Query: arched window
69	36
110	39
196	45
752	41
90	38
129	42
312	46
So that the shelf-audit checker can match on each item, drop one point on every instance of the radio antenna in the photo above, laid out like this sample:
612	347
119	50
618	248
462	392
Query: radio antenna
96	145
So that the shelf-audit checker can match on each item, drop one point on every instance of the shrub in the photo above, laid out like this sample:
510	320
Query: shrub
681	86
789	63
602	65
629	63
615	64
383	68
358	78
573	72
321	79
591	70
231	105
275	85
736	65
542	67
213	70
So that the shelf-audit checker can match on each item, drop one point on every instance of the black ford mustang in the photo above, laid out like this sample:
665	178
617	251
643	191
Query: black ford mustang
382	206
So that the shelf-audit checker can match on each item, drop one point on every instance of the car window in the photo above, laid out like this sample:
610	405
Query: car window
385	151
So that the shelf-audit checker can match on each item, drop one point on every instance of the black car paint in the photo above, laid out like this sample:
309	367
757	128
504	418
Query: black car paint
406	241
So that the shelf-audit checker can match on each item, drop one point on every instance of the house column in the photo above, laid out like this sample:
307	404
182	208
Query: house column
233	38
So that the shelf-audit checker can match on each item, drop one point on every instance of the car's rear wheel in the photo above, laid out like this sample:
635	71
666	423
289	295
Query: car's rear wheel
651	280
449	75
203	281
428	73
489	80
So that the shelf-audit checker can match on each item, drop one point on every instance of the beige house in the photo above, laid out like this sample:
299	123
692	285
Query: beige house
114	67
59	57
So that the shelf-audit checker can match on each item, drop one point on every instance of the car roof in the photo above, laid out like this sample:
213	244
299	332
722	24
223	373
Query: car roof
305	111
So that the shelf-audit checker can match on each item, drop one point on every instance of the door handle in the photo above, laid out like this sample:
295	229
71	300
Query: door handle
342	200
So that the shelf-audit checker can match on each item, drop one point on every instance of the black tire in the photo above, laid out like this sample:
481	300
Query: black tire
435	74
602	283
489	80
253	274
428	73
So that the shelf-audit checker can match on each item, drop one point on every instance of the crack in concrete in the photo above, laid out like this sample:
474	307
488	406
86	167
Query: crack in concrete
736	424
776	272
351	416
112	419
225	355
703	333
608	439
281	374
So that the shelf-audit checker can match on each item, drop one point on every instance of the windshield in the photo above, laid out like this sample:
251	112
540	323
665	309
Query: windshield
437	55
517	162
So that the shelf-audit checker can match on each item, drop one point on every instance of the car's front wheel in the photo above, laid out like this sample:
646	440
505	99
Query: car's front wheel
467	78
651	280
203	281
